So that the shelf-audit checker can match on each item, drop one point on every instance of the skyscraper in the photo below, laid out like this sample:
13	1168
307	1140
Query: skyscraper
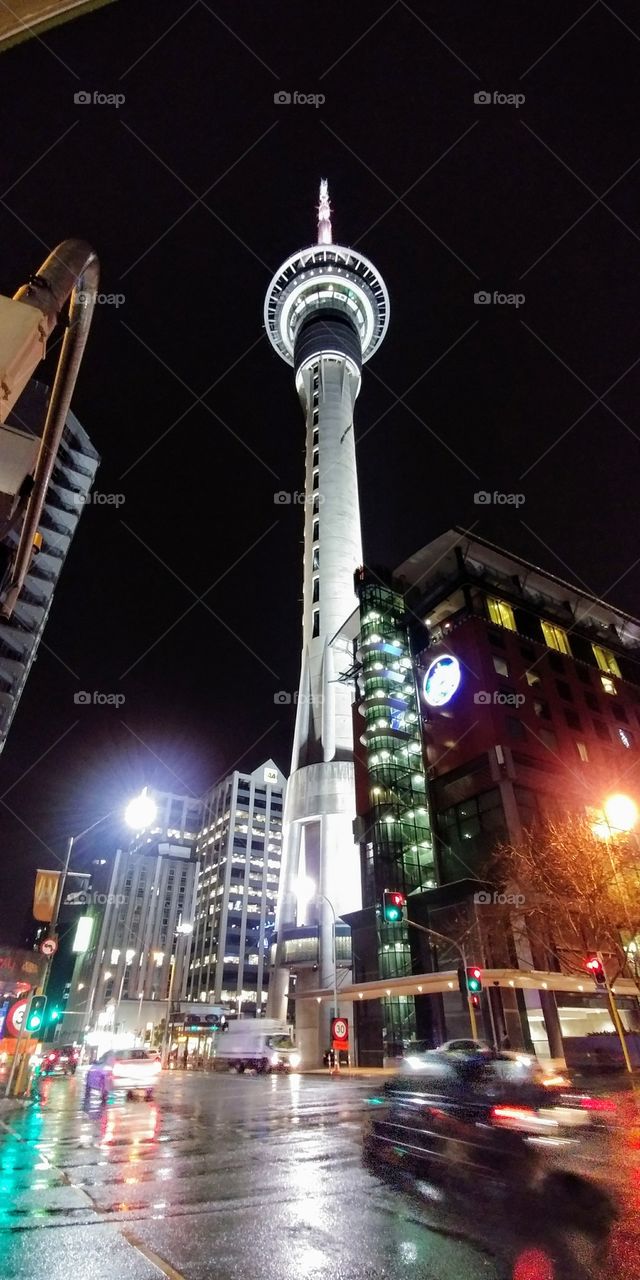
326	312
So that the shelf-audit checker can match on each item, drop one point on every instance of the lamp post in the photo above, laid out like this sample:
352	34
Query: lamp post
182	930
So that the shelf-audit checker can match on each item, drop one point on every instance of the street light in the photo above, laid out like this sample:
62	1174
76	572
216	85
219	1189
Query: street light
621	812
141	811
183	929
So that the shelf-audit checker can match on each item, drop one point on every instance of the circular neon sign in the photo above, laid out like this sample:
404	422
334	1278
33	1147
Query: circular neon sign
441	680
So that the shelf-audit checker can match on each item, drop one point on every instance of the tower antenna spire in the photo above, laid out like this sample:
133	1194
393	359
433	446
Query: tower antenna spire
324	214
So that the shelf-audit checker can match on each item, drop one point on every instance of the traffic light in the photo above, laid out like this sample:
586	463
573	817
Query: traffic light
35	1016
393	905
474	979
596	969
54	1014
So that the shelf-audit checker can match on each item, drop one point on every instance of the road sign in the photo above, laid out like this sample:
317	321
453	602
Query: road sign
340	1033
15	1018
49	946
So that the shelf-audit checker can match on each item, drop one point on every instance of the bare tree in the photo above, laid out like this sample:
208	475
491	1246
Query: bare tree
577	889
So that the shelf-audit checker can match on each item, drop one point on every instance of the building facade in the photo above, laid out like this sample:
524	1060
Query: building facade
326	313
68	492
526	693
133	952
240	854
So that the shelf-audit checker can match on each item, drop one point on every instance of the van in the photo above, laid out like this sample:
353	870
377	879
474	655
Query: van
259	1044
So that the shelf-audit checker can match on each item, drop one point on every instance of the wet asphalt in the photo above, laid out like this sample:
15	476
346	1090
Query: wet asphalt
236	1177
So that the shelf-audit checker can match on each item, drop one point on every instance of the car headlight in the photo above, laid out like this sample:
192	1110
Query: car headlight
274	1059
295	1059
414	1062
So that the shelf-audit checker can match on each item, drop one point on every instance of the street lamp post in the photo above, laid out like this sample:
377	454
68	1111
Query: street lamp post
182	930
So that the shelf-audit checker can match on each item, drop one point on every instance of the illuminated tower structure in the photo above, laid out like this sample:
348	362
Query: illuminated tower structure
326	312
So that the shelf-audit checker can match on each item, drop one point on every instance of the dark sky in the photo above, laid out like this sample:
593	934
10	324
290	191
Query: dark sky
186	599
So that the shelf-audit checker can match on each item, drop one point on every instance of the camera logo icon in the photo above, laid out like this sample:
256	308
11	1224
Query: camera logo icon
481	498
282	698
483	898
482	698
482	97
282	98
282	498
82	698
82	97
482	298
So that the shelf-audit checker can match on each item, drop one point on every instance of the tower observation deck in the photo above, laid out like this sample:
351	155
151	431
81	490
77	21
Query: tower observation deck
326	312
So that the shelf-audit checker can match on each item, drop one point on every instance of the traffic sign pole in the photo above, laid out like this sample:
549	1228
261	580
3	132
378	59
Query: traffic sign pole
17	1052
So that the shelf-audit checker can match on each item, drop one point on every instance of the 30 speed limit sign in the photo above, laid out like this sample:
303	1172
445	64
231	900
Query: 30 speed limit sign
340	1033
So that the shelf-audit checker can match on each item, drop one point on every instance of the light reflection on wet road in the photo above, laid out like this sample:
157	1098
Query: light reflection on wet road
221	1176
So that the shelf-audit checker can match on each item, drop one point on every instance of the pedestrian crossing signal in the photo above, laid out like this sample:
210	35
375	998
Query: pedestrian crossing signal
393	906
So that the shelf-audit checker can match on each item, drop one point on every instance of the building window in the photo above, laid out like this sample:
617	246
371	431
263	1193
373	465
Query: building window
583	674
601	730
555	637
316	479
592	701
606	660
625	737
316	590
316	505
316	531
608	685
582	751
564	690
573	719
315	457
548	739
500	666
501	613
316	623
532	677
316	558
542	710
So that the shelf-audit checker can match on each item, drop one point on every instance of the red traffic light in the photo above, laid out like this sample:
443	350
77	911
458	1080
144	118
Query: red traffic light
398	899
474	979
393	904
596	969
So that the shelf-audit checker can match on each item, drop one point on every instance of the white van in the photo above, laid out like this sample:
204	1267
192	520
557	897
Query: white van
260	1044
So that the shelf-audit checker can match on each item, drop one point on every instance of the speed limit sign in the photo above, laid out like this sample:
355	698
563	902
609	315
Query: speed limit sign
49	946
340	1033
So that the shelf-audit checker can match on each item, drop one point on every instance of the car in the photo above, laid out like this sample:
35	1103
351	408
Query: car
489	1123
131	1070
61	1061
463	1046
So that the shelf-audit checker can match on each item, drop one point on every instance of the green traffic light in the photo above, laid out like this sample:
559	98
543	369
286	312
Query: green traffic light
55	1013
34	1022
392	914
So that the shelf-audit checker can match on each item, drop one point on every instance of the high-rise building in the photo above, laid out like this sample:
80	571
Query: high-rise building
133	939
518	697
239	850
71	482
27	18
326	313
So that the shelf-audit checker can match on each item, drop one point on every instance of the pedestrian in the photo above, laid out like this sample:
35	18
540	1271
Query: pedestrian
185	1058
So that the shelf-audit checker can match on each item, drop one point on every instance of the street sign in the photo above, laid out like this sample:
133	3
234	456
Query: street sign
340	1033
15	1018
49	946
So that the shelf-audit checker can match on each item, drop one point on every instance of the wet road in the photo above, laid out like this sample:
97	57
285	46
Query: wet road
222	1176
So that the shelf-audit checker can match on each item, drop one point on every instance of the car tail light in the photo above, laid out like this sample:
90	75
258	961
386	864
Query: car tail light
523	1118
597	1104
51	1057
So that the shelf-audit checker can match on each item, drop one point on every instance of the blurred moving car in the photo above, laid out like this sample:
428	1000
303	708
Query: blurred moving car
487	1120
61	1061
131	1070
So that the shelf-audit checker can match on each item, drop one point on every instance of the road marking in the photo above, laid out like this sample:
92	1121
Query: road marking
162	1265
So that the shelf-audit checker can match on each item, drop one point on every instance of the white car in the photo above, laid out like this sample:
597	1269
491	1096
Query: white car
132	1070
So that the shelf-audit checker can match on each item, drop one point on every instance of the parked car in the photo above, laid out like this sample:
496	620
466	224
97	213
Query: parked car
130	1070
61	1061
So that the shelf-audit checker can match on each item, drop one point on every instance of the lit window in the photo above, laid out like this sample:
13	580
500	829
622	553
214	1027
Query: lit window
555	637
501	613
625	738
606	660
500	666
582	750
532	677
607	684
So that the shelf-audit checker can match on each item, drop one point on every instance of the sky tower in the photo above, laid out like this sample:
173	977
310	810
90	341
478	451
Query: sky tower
326	312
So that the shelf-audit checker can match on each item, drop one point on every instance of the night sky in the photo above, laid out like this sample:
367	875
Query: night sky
187	597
